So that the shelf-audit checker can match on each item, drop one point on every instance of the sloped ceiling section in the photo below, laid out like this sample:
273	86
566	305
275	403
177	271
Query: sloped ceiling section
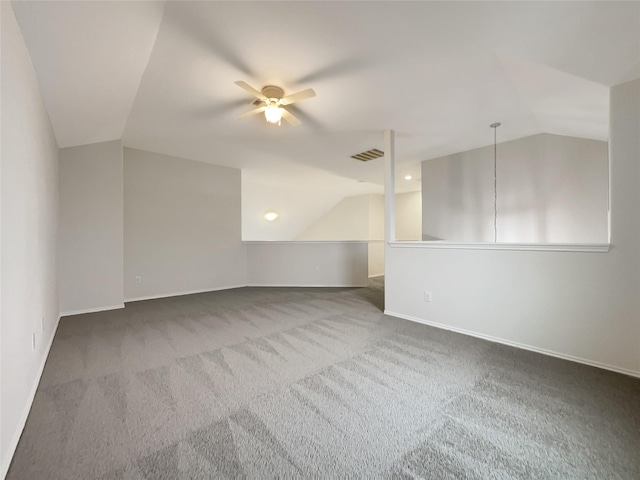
89	58
565	104
439	73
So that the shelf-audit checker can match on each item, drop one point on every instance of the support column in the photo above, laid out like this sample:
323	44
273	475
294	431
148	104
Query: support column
389	187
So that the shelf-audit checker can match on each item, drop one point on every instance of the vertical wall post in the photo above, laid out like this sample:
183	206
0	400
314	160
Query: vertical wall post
389	187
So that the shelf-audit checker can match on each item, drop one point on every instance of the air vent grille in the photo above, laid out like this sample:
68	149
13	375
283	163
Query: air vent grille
368	155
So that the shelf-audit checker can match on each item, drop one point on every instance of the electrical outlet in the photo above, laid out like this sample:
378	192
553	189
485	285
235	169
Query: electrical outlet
138	280
33	341
427	296
317	269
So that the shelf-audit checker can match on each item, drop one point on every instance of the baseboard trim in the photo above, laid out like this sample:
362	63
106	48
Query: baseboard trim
521	346
13	443
291	285
376	275
179	294
92	310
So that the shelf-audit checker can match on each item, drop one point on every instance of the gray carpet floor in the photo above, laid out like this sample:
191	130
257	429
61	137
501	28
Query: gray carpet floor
293	382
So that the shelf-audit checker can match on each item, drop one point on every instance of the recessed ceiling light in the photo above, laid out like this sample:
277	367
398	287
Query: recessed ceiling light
408	177
271	216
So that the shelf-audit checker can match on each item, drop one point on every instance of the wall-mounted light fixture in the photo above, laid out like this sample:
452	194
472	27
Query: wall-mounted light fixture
271	216
408	177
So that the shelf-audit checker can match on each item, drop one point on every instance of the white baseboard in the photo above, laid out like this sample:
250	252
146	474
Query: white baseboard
376	275
13	443
290	285
522	346
92	310
178	294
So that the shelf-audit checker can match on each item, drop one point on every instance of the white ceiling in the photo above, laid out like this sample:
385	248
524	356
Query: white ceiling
161	76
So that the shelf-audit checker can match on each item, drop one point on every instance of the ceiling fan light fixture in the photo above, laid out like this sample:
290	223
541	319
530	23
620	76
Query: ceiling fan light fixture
273	112
271	101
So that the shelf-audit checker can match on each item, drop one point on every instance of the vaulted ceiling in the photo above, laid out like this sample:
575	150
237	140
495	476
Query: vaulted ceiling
160	75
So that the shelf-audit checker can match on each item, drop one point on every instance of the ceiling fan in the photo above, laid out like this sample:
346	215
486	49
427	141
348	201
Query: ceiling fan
272	102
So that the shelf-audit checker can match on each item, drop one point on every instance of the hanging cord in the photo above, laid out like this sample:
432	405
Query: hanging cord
495	181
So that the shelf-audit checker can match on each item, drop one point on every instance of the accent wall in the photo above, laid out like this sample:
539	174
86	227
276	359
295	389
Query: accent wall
182	226
550	189
91	228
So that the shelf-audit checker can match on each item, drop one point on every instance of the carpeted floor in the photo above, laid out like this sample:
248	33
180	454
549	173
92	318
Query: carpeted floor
292	382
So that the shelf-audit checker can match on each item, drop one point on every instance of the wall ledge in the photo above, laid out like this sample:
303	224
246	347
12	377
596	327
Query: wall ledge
305	242
535	247
310	285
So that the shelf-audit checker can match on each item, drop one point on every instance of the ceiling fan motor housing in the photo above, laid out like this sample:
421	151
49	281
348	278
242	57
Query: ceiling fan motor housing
271	91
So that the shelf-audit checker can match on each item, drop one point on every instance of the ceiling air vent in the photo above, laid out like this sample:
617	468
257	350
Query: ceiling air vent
368	155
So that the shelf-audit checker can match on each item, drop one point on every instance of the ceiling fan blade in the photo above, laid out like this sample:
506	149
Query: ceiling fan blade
252	112
192	24
212	110
307	119
250	89
340	68
297	97
288	116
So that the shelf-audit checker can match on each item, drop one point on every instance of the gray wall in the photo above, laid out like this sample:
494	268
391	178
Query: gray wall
376	233
308	264
358	217
409	216
91	227
348	220
182	226
551	189
577	305
29	204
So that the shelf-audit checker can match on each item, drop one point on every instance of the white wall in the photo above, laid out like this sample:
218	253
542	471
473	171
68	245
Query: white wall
298	208
348	220
551	189
91	228
361	217
376	233
579	305
358	217
29	204
182	226
307	264
409	216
